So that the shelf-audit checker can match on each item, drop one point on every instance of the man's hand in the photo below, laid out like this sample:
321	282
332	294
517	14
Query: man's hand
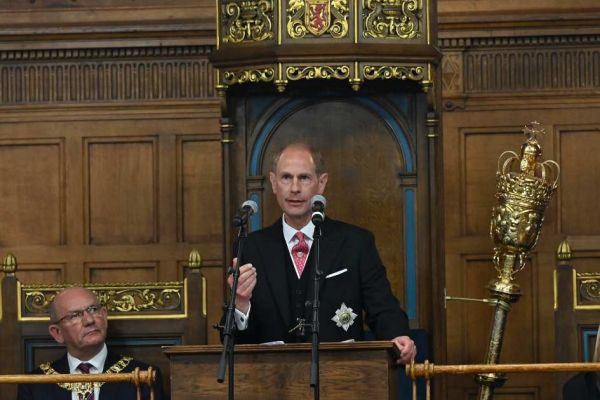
406	348
246	284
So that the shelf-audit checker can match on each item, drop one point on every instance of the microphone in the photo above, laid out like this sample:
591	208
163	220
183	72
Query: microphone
318	203
248	208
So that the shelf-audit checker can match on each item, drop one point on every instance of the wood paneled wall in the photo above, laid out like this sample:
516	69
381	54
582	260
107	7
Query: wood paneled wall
110	142
504	66
110	150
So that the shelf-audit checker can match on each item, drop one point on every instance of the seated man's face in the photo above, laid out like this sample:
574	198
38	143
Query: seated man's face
80	322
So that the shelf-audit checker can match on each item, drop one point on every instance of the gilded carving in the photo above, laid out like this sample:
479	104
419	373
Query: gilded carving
317	17
248	20
523	197
589	289
249	75
392	18
150	299
525	186
413	73
315	72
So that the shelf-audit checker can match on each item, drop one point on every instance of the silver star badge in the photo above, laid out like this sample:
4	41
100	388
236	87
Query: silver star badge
344	317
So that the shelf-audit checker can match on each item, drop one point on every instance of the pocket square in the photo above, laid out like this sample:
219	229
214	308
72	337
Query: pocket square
336	273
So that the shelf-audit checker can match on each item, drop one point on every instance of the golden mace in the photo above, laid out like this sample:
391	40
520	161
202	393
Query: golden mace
524	188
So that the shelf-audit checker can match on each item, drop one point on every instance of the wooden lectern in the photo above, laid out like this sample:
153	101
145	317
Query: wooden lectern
359	370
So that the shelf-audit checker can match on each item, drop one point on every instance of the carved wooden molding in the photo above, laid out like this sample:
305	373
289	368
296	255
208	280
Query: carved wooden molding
520	64
123	301
527	41
101	75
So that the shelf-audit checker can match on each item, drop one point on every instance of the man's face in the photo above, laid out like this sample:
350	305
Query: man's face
295	182
83	333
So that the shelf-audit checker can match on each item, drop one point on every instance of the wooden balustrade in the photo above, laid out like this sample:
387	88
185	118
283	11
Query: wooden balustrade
137	377
427	370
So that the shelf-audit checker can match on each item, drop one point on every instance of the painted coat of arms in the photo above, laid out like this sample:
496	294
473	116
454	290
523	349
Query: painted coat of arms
317	16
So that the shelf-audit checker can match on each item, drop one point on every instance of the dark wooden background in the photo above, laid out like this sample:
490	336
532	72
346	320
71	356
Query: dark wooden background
111	161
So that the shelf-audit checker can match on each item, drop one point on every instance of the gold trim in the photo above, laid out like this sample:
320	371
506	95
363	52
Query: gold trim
204	298
555	284
392	19
402	72
279	36
42	294
19	317
218	22
356	29
280	83
563	252
428	21
574	280
185	298
247	20
577	284
266	74
308	72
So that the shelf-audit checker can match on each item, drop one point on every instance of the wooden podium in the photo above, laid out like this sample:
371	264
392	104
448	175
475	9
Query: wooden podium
360	370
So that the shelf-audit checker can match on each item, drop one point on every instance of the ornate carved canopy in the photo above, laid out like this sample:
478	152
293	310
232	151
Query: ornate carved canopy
279	42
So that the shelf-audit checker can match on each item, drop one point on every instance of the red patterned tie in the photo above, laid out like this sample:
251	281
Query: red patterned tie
85	368
300	252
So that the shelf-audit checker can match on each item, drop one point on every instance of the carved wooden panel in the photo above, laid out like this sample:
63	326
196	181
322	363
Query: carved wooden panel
121	190
481	148
130	74
41	273
201	203
513	66
32	197
579	190
215	293
118	182
121	272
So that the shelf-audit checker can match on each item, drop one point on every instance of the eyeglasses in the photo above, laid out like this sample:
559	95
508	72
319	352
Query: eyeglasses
77	315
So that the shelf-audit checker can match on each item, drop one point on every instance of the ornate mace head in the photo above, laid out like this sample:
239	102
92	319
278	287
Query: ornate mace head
523	194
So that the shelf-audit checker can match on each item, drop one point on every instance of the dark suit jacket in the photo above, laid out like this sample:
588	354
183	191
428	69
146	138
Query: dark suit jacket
581	387
364	286
109	391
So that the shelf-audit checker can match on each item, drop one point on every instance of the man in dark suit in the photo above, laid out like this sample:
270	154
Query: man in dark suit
275	287
583	386
79	322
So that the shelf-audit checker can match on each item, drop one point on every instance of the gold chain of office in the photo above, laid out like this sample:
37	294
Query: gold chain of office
84	389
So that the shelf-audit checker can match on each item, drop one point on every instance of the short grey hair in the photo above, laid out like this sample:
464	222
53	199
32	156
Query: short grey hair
316	155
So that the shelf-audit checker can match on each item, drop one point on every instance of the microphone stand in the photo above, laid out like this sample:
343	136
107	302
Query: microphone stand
314	364
228	330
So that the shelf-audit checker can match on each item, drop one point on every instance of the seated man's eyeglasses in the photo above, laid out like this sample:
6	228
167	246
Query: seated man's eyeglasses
77	315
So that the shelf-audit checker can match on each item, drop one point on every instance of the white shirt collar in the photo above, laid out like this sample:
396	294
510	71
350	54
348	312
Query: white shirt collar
289	231
97	361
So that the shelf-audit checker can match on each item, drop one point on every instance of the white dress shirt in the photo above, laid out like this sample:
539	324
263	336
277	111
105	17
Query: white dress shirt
241	319
97	367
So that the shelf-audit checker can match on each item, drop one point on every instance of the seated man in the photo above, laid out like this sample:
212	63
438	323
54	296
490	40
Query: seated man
79	321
